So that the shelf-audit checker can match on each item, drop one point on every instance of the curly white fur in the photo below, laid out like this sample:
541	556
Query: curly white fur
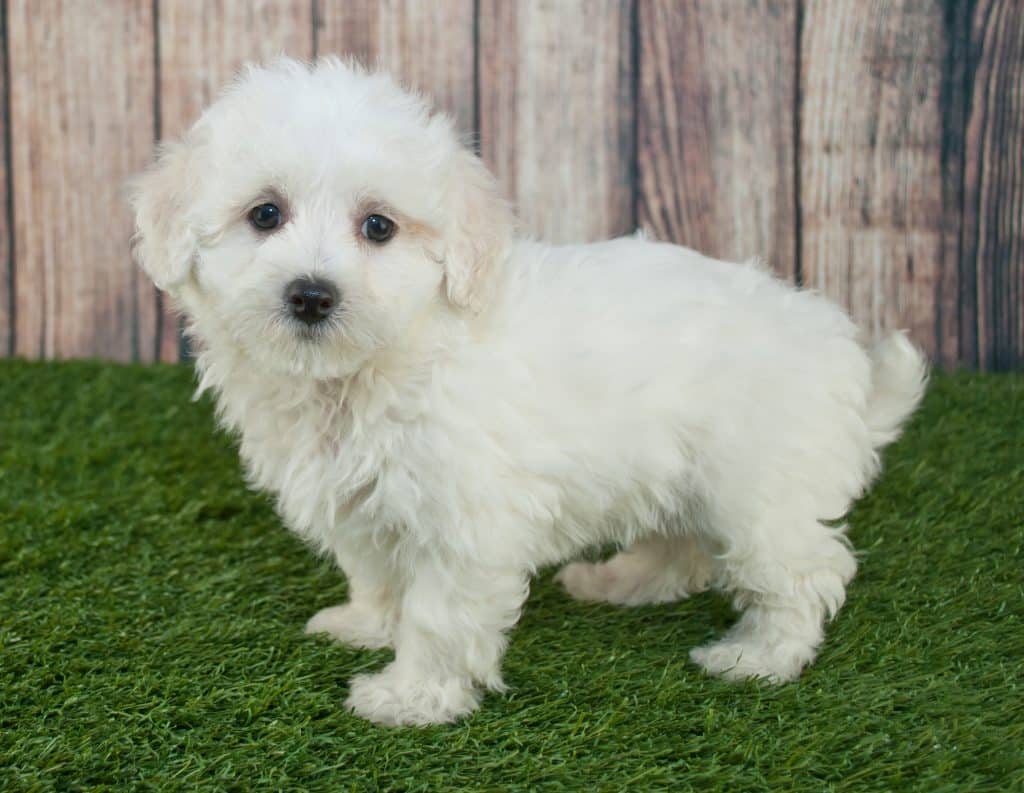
482	406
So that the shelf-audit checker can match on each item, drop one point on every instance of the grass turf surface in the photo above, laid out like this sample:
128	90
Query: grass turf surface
152	614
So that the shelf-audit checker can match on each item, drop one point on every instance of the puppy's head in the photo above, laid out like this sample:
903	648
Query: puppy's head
313	215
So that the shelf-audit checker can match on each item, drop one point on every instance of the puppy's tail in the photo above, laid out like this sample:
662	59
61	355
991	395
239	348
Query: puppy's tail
899	374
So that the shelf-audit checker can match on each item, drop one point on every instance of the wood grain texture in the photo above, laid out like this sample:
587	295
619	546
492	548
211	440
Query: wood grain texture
81	96
873	213
717	127
429	46
950	316
6	247
557	112
993	229
873	149
203	44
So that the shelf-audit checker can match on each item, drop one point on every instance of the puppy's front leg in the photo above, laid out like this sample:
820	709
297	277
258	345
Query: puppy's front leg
368	618
449	642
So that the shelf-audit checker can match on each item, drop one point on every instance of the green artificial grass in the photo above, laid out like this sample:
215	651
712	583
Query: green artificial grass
152	613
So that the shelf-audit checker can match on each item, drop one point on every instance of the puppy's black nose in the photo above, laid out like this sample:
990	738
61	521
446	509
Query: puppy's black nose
310	300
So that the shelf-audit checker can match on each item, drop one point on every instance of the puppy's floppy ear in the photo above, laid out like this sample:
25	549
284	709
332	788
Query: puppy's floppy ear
164	242
479	232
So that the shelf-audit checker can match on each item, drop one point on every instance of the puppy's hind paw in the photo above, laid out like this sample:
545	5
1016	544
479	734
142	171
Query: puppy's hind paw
624	582
653	570
734	660
583	581
392	699
352	624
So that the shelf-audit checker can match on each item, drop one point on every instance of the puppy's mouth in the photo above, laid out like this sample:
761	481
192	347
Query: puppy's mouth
310	334
304	339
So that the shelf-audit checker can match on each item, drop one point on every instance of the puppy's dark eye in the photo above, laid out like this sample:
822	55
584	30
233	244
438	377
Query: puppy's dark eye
265	217
378	228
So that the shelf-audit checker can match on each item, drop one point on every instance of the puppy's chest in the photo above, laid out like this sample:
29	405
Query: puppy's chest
320	464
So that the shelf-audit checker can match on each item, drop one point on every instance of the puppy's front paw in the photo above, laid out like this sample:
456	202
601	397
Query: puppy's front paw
392	698
353	624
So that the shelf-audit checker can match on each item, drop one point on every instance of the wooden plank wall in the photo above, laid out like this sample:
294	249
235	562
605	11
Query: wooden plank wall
873	150
717	127
871	163
80	115
557	105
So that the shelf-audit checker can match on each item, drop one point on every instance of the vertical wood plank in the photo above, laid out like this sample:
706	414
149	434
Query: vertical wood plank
81	95
874	214
952	313
6	248
717	127
202	45
429	46
557	113
993	231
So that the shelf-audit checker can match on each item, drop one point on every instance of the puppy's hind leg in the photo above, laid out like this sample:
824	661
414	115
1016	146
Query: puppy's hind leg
656	569
786	586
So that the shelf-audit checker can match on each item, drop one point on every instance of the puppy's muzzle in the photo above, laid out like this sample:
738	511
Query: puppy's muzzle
310	300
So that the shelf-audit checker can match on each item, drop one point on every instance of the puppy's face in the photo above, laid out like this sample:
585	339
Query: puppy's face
313	217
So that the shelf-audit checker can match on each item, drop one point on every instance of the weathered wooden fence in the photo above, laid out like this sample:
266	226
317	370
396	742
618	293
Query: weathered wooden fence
872	149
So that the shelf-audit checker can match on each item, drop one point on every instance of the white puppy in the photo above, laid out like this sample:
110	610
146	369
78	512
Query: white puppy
445	409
